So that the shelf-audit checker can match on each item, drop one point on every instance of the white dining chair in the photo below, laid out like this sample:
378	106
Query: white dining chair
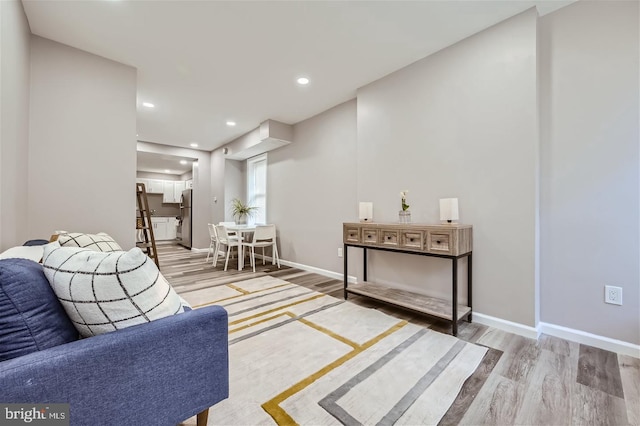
224	239
231	234
214	244
263	236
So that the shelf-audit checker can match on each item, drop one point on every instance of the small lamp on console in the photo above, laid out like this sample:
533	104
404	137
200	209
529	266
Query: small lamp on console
449	209
366	212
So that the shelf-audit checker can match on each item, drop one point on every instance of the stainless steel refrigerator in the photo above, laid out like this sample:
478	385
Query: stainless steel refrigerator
184	236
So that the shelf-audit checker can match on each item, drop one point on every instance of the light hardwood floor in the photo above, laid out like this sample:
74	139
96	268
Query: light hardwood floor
521	381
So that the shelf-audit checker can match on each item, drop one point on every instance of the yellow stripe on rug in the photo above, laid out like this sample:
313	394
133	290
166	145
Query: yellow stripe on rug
280	416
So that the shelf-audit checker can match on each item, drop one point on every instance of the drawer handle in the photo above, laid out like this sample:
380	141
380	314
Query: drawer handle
388	238
437	241
411	239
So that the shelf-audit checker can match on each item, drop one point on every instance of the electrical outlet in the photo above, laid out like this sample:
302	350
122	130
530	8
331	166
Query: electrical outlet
613	295
339	251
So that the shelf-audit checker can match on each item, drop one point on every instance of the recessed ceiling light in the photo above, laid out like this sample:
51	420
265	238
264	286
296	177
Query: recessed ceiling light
148	104
193	144
231	123
183	161
303	80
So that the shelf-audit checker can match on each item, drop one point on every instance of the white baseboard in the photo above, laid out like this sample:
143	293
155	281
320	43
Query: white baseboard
325	272
199	250
506	325
590	339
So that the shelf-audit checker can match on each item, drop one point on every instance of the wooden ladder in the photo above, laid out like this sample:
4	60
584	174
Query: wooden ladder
143	223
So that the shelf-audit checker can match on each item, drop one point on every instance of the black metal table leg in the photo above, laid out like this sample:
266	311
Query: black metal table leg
346	272
469	288
364	256
454	307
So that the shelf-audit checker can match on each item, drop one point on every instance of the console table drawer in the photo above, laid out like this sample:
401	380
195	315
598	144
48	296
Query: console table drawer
369	236
352	235
390	238
439	242
412	240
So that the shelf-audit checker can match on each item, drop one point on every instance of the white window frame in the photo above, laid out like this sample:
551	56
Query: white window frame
257	196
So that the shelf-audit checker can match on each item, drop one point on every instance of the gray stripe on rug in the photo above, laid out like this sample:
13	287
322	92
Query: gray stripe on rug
425	381
280	324
268	303
257	296
329	402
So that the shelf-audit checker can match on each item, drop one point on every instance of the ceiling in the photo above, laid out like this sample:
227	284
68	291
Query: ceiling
203	63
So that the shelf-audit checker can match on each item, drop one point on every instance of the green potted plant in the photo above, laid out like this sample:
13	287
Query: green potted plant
241	211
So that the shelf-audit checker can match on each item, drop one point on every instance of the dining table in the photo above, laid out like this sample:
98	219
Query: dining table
241	231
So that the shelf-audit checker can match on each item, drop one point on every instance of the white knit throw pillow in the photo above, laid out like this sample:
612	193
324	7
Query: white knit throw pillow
103	292
97	242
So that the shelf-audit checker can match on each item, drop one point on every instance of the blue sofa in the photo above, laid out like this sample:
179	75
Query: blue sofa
157	373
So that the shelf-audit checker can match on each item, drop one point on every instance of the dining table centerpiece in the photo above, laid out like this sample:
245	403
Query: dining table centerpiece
241	211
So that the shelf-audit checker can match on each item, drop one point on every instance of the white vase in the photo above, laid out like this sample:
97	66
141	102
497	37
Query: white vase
404	216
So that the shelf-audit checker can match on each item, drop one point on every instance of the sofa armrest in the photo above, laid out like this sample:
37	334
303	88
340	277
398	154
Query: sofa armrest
157	373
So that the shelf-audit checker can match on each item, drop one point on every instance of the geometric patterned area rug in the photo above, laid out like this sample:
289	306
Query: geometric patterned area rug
301	357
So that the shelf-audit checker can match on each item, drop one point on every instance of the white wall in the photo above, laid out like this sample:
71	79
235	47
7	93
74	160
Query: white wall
202	179
15	38
461	123
311	187
590	167
217	182
235	186
82	143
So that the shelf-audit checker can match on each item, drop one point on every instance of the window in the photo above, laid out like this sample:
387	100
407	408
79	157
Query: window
257	187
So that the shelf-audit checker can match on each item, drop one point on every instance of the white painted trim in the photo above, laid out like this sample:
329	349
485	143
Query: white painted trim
198	250
590	339
325	272
506	325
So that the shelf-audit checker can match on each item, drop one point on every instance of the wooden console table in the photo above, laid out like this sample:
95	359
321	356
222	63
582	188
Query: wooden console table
451	241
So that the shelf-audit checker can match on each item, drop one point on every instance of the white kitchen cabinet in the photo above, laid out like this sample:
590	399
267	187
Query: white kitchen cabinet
161	228
188	184
172	191
181	185
169	193
172	224
155	186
